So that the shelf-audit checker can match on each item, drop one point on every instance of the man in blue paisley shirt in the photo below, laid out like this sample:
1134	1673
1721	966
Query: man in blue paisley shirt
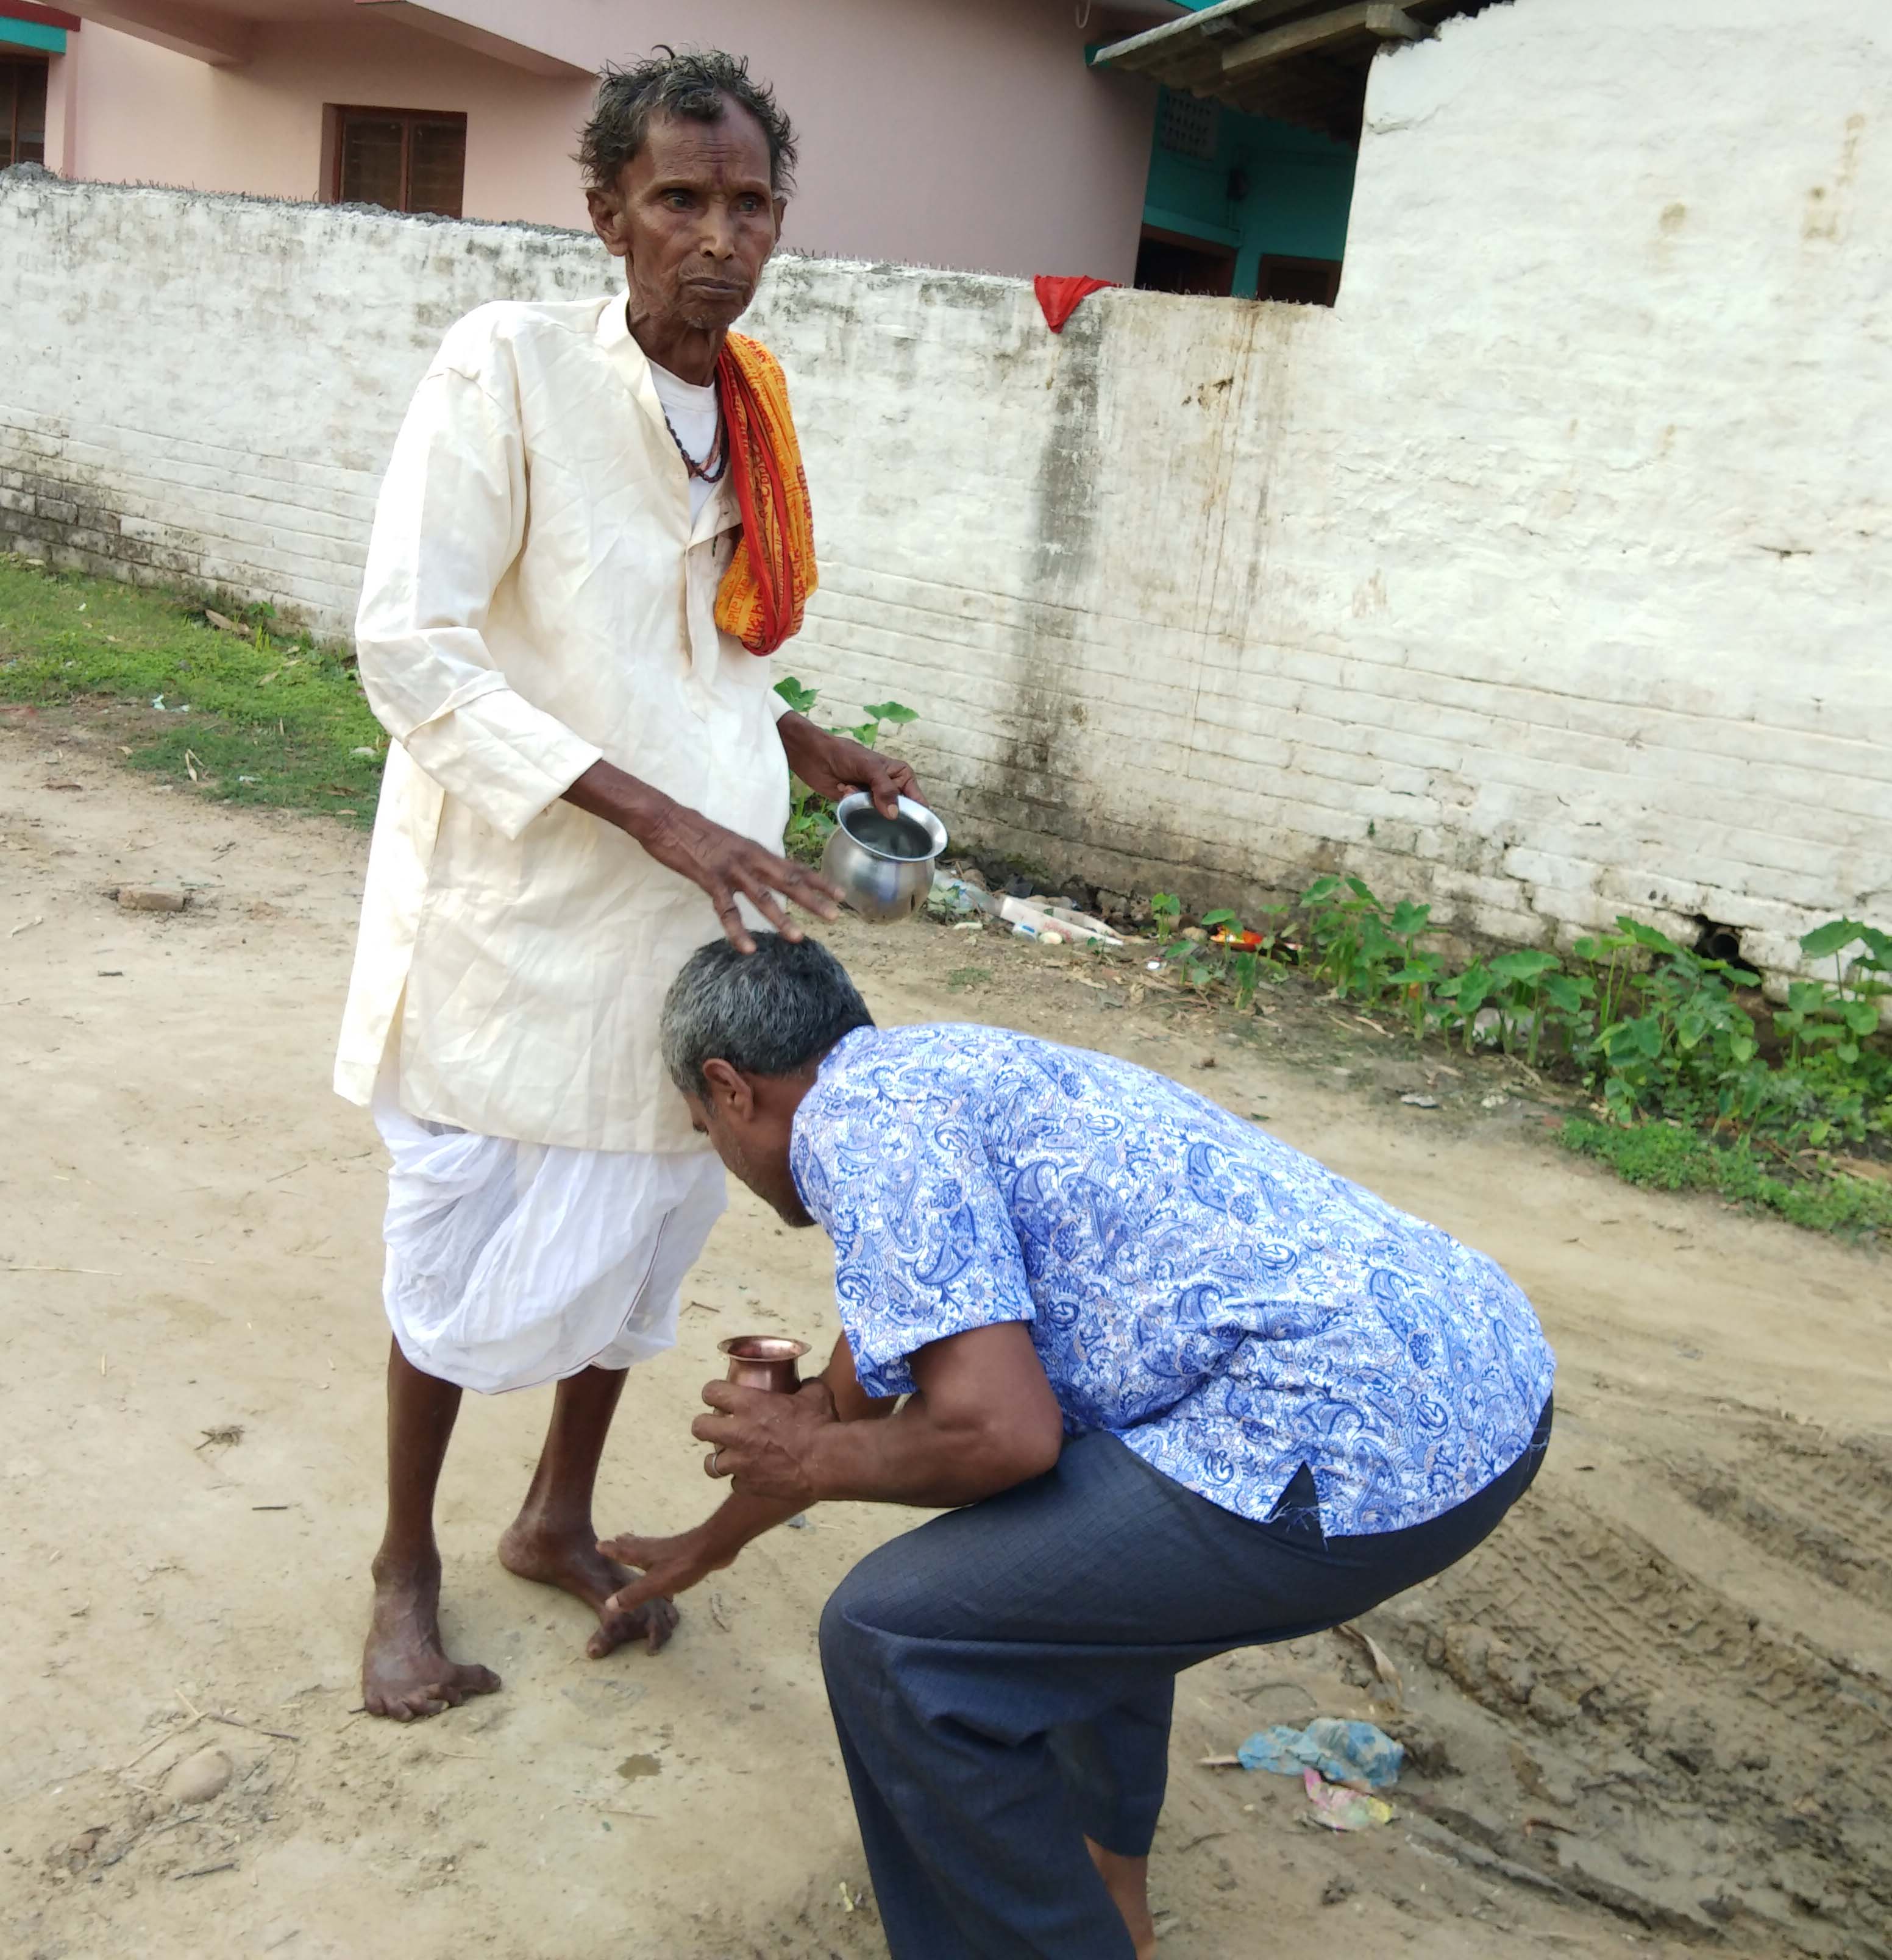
1183	1388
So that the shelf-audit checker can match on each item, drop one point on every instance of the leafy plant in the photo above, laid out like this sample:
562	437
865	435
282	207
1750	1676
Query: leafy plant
1356	953
1227	953
801	699
1653	1029
811	817
1420	970
1246	955
1659	1029
1521	978
867	733
1841	1071
1369	954
1844	1015
1465	994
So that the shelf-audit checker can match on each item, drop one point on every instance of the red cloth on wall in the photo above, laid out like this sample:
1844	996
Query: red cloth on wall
1059	297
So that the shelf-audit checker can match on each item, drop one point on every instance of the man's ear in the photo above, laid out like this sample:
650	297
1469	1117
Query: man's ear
607	208
728	1090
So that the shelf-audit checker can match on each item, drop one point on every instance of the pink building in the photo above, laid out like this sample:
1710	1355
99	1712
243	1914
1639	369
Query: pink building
966	133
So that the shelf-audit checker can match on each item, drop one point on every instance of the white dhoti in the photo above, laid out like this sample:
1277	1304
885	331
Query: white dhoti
510	1264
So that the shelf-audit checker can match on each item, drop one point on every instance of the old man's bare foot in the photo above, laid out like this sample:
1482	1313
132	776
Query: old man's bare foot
1128	1883
405	1674
572	1562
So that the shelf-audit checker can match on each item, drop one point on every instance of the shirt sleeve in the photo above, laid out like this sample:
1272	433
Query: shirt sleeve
449	522
924	1246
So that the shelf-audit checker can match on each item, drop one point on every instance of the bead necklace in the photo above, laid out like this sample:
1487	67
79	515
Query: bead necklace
710	470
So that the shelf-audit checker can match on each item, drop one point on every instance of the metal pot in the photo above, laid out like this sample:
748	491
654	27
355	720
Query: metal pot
882	864
764	1361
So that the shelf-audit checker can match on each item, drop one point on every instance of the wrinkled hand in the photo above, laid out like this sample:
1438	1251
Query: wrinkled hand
726	866
763	1441
668	1566
835	765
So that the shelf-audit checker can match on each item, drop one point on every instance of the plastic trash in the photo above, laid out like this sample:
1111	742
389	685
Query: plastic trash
1342	1751
1034	920
1341	1810
953	896
1082	924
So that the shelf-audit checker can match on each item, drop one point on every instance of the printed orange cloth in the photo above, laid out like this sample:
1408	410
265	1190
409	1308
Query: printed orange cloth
762	593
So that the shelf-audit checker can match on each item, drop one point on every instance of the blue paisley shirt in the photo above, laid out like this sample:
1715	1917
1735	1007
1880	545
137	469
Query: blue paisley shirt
1230	1309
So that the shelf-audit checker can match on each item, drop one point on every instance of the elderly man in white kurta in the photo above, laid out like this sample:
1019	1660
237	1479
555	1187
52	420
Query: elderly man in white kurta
593	533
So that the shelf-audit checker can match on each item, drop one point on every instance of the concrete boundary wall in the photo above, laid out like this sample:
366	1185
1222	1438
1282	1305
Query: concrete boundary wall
1544	577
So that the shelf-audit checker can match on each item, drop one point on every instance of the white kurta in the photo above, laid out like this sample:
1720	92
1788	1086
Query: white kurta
537	596
539	593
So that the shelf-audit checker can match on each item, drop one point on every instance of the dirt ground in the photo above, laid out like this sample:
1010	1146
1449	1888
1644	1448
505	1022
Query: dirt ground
1651	1712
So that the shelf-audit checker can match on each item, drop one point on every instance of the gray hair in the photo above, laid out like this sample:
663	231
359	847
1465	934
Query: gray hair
697	85
767	1013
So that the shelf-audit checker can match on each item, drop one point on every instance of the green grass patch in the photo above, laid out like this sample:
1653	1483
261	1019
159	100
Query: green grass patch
271	717
1667	1158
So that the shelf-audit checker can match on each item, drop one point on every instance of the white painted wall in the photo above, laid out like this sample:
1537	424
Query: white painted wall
1544	577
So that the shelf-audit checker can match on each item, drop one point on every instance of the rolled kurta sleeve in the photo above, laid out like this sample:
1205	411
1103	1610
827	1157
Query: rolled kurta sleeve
449	522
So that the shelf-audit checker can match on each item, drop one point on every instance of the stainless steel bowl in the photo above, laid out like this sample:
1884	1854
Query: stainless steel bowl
882	864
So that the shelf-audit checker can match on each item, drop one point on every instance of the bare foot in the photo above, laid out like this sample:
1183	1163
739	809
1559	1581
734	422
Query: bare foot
573	1562
406	1675
1127	1881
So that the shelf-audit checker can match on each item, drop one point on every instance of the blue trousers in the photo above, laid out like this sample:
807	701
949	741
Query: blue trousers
1002	1678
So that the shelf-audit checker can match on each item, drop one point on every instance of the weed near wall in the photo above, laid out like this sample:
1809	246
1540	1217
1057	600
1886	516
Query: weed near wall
1666	1157
1653	1030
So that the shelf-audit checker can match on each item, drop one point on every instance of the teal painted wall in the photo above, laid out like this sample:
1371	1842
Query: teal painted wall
1300	189
33	34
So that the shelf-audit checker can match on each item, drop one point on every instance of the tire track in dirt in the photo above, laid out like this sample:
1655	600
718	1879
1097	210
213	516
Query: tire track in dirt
1749	1773
1820	1510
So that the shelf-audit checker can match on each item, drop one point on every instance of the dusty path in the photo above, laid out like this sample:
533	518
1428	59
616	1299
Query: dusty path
1653	1712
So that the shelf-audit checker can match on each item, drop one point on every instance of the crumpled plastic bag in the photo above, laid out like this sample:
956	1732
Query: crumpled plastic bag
1341	1810
1342	1751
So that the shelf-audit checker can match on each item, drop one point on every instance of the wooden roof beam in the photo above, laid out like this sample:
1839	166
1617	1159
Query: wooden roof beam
1383	21
1226	17
1196	71
1313	95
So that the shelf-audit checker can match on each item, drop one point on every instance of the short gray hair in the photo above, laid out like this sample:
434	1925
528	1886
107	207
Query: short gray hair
767	1013
696	85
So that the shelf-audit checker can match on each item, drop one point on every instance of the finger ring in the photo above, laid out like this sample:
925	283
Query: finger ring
716	1458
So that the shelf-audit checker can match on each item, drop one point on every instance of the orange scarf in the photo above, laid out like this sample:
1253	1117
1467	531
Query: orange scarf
768	581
